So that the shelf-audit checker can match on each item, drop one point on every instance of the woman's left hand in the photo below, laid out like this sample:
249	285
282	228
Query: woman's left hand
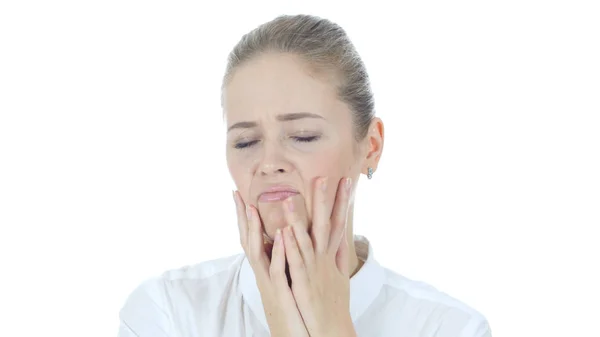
318	262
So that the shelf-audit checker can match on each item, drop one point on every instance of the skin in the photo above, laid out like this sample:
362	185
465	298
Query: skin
287	126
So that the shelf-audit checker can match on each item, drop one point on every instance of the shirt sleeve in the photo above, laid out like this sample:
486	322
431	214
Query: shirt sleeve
145	313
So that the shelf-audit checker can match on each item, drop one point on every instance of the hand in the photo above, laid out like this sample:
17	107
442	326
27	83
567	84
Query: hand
281	311
318	262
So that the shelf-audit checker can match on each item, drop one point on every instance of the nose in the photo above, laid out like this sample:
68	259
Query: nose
274	161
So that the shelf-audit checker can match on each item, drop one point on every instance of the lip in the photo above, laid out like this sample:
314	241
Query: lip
277	193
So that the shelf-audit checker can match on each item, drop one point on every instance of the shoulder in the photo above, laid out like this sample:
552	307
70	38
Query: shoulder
204	270
437	310
148	310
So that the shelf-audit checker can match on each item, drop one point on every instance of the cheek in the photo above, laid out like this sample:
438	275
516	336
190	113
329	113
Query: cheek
331	164
240	174
328	163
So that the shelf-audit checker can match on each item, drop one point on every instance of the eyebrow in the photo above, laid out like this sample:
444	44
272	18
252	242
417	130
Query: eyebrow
282	118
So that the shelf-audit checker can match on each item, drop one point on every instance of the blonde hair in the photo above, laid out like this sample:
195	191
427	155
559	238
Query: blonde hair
325	46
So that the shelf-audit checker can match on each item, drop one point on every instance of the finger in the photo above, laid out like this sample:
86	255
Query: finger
342	256
277	268
256	251
294	211
305	245
295	216
279	279
240	208
321	220
340	214
294	258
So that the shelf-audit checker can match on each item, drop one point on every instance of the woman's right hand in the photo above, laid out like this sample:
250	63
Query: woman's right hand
281	310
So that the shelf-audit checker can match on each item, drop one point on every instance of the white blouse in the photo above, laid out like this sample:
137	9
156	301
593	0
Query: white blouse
220	298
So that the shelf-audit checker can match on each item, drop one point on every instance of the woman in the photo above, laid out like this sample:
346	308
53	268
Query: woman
300	131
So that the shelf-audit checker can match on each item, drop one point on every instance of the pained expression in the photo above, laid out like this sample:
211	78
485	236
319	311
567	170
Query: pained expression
285	129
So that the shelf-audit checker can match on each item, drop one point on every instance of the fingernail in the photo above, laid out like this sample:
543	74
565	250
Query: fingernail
278	235
323	184
348	184
249	212
290	204
286	232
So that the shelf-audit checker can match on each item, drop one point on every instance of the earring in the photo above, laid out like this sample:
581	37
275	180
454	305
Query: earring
370	173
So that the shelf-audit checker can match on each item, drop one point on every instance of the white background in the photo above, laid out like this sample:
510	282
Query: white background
112	164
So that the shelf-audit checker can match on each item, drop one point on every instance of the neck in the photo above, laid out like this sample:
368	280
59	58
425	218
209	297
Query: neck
354	263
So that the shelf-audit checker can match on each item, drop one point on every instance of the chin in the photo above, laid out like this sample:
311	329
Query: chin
272	218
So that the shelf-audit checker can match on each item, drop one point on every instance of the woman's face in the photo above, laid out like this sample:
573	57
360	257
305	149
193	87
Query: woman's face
286	128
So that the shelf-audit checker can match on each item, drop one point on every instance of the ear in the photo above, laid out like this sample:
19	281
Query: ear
374	145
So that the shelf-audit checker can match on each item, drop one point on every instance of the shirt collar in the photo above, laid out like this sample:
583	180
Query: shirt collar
364	285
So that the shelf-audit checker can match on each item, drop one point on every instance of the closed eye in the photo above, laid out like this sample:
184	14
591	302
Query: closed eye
306	139
243	145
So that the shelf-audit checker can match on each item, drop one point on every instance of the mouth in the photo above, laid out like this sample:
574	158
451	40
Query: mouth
277	193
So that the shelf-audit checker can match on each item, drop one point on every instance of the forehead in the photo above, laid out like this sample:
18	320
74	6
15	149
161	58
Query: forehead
273	84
